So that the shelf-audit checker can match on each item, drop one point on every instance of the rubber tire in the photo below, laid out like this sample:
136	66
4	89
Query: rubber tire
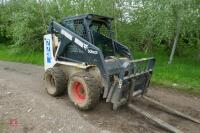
60	81
91	87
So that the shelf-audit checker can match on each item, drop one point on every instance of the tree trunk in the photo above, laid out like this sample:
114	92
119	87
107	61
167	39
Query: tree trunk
115	20
198	45
175	41
58	6
42	10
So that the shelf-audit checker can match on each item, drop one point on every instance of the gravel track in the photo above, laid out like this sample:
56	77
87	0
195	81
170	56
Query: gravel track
24	100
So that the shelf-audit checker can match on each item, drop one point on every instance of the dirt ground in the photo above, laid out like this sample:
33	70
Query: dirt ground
26	107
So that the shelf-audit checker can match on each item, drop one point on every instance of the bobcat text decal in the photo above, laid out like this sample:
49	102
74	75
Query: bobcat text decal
79	43
48	51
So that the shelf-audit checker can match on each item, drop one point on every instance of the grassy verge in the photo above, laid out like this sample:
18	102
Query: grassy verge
20	55
182	74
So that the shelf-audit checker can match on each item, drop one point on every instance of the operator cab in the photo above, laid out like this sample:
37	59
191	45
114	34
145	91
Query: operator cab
97	30
94	28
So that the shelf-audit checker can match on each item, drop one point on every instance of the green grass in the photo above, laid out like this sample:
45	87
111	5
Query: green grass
20	55
183	73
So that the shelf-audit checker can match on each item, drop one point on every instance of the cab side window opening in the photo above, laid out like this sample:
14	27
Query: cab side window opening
100	33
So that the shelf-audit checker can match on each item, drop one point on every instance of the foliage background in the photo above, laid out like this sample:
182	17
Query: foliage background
146	23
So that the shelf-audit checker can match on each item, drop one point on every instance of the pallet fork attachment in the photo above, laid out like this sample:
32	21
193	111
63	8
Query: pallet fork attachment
171	110
156	120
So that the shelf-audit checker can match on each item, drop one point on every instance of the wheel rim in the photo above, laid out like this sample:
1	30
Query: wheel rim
78	92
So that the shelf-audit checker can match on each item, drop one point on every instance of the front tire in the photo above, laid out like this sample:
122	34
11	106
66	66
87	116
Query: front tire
83	90
55	81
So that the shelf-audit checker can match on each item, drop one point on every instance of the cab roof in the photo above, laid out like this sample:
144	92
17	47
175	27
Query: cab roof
88	16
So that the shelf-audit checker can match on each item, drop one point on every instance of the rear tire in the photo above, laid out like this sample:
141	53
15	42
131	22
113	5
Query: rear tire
83	90
55	81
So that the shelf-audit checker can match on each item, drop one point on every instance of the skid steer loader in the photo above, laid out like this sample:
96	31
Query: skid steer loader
82	58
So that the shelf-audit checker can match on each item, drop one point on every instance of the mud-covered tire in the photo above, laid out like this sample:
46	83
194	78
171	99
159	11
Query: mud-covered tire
83	90
55	81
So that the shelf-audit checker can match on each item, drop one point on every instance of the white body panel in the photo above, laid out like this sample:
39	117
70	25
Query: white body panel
49	60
